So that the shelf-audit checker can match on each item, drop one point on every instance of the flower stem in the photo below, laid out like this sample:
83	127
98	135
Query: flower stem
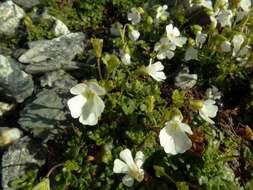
99	69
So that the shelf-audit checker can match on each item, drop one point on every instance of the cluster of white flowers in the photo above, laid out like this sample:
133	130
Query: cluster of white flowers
167	45
236	46
88	106
220	12
191	52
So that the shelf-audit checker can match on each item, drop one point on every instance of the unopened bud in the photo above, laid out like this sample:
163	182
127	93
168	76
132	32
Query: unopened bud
196	104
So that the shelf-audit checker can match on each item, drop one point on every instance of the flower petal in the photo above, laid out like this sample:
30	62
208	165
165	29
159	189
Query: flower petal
96	88
128	180
166	141
120	166
206	118
75	105
186	128
139	159
209	108
182	141
78	89
158	66
92	110
126	156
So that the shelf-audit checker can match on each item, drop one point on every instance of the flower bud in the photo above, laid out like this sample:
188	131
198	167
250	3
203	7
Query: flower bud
150	20
97	45
196	104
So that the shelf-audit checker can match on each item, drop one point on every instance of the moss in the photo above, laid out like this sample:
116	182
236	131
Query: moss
80	15
40	28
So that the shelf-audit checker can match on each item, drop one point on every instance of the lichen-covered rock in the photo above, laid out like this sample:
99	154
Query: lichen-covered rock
44	67
19	158
59	79
45	112
63	48
14	82
27	3
60	28
10	16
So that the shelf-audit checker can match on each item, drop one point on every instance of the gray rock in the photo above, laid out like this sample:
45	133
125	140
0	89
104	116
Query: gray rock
10	16
63	48
60	28
59	79
44	67
45	112
19	158
27	3
14	82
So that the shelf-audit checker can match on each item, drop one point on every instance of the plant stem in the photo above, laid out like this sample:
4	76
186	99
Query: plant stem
99	69
53	168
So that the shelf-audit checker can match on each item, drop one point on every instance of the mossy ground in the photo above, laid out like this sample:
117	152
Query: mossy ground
221	157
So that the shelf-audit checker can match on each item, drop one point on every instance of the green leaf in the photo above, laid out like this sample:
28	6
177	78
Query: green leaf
249	185
182	186
43	185
71	165
178	98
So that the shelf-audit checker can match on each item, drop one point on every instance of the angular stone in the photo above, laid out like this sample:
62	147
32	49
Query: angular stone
27	3
45	111
10	16
59	79
14	82
19	158
63	48
60	28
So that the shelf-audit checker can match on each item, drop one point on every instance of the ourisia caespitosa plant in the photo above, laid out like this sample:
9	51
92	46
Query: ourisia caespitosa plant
158	94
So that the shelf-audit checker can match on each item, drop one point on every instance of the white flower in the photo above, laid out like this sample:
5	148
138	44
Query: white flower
237	42
134	16
133	34
191	54
165	49
240	15
242	55
213	21
185	80
87	105
161	13
200	39
225	46
208	110
224	17
125	58
115	29
213	93
245	5
173	35
155	70
244	51
129	166
173	136
9	135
